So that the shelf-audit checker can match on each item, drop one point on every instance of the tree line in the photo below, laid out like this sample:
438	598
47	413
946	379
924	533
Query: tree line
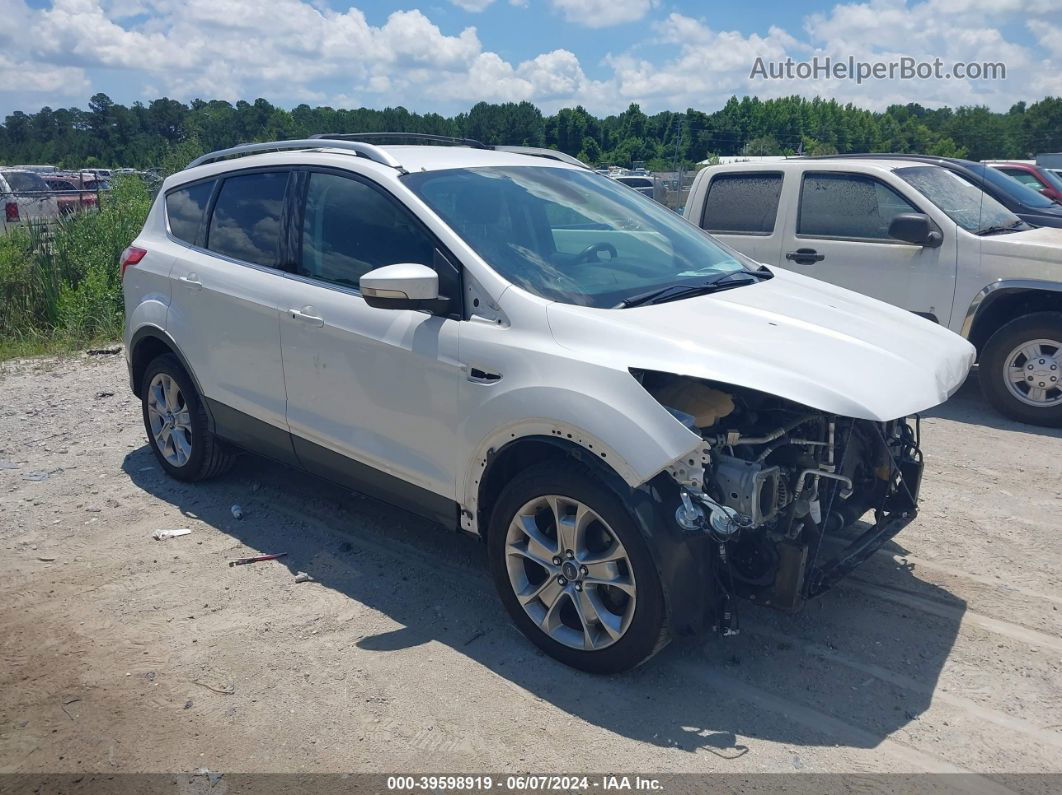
166	133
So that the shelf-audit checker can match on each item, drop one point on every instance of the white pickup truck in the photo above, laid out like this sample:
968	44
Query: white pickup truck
25	198
917	236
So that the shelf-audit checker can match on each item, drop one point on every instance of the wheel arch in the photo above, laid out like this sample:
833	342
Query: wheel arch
147	344
681	559
1006	300
498	466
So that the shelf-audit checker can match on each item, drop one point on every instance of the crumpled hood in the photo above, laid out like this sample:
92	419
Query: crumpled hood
790	336
1040	251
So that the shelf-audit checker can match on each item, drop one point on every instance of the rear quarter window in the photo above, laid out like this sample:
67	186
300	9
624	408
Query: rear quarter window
185	208
744	204
25	182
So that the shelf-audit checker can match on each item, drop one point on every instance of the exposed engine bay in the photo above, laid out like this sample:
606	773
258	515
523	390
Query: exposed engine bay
782	488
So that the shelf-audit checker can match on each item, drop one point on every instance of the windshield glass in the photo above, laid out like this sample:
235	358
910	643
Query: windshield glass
964	203
1016	190
1052	178
571	235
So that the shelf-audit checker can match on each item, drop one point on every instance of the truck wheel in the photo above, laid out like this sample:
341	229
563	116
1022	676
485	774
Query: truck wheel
176	423
1021	369
574	571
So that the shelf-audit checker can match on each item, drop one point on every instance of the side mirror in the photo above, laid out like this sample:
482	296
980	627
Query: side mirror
915	228
407	285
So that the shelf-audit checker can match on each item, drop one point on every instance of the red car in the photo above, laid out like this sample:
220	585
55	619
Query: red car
69	196
1039	179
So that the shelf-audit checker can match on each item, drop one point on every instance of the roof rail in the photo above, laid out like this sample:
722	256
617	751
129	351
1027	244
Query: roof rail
366	150
538	151
409	136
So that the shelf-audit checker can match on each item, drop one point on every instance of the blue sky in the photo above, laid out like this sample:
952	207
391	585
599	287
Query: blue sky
445	55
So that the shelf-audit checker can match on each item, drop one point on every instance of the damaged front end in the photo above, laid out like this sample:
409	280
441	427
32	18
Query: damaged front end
792	498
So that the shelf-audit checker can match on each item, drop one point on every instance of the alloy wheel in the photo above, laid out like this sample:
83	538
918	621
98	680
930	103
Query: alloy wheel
1033	373
570	572
169	419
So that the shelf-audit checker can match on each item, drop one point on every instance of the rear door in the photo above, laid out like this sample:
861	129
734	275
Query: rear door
741	209
838	231
372	393
228	283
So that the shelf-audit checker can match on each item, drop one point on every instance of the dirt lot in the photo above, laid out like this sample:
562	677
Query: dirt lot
121	653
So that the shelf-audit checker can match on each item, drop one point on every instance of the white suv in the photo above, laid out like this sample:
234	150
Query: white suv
642	424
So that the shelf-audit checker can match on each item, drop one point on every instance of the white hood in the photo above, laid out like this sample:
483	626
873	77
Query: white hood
790	336
1039	252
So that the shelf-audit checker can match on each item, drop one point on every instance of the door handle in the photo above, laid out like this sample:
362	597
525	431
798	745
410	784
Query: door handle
191	280
307	317
805	256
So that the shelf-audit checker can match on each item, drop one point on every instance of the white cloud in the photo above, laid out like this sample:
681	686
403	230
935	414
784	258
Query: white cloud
303	50
603	13
25	77
474	6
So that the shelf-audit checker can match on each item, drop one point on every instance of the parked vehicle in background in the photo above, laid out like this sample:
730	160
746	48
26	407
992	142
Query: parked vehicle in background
919	236
643	425
1029	205
1032	176
36	169
643	183
25	199
68	195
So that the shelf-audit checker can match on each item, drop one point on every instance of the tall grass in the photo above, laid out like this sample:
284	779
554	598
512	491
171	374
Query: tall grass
60	287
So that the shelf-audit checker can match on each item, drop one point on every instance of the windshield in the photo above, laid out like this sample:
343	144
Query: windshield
1016	190
964	203
1052	178
571	235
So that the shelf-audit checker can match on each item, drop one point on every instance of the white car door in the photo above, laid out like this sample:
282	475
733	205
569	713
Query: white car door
838	231
741	209
372	393
226	289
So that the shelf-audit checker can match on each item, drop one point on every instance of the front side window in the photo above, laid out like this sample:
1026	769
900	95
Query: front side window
848	206
962	201
245	224
350	228
185	208
743	204
571	235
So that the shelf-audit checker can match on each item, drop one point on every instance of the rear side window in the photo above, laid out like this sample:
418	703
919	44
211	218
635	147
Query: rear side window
25	182
185	208
245	224
848	205
349	228
744	204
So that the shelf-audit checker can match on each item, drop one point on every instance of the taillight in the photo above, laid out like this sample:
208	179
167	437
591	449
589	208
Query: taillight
131	256
11	211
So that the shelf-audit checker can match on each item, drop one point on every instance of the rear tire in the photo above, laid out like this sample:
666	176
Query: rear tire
1017	366
177	425
555	576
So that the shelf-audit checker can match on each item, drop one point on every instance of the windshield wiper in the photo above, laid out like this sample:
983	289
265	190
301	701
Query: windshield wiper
998	228
674	292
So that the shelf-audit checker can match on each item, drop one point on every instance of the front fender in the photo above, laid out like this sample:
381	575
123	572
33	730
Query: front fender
633	434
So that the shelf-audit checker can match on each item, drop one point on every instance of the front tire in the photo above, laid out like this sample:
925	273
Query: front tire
1021	369
177	425
574	571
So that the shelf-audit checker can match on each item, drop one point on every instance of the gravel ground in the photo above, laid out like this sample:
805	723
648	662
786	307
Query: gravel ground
125	654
